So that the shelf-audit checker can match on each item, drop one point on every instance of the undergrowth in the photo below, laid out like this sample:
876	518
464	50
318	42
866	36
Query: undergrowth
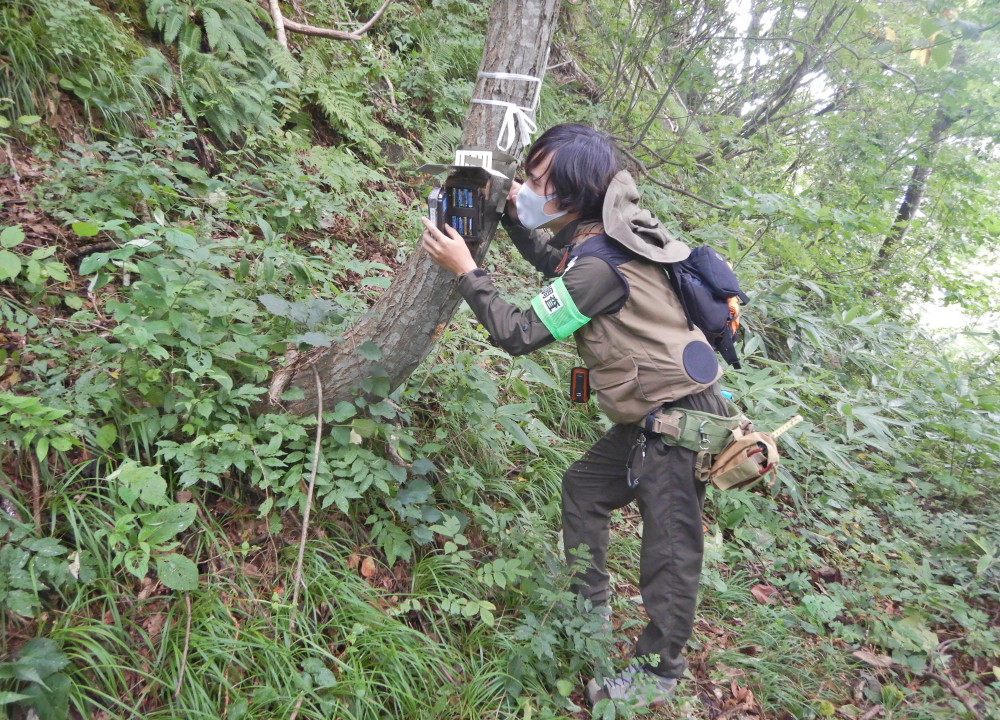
151	509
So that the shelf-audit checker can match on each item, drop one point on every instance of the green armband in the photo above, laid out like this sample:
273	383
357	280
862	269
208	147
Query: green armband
557	311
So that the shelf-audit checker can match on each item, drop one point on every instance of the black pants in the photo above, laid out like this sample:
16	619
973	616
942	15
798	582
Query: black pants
670	500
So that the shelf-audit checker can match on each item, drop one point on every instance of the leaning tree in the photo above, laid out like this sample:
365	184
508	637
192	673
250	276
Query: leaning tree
409	317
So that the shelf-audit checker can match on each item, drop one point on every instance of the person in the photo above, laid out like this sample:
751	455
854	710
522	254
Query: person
610	291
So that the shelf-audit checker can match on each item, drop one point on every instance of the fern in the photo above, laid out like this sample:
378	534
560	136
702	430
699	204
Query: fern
214	29
233	86
440	143
284	63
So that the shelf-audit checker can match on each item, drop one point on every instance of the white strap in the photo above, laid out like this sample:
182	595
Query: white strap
517	118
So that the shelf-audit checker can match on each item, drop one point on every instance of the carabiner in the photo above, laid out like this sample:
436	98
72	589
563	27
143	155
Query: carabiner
702	436
640	443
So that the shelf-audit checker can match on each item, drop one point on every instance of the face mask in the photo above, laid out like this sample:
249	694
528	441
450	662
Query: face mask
531	208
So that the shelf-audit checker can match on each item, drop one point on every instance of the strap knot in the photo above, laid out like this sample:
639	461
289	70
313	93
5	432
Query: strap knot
518	120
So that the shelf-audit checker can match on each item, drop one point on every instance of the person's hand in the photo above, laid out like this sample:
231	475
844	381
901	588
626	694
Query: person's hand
512	202
447	250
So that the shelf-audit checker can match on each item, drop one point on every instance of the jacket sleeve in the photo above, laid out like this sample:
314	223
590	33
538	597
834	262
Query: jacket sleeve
592	283
533	246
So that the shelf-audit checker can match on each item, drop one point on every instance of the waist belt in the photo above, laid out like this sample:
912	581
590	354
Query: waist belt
692	429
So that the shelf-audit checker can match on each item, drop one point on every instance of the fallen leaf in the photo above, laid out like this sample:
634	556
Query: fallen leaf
730	672
742	695
352	562
367	568
153	625
148	586
826	574
764	594
882	661
184	496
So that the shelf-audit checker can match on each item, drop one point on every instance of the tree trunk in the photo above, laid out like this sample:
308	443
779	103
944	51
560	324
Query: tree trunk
918	179
410	316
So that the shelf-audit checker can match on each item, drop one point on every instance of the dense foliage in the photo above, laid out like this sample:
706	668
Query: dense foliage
185	204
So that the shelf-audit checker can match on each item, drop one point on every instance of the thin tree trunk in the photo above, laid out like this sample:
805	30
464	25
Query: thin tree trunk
918	178
785	90
410	316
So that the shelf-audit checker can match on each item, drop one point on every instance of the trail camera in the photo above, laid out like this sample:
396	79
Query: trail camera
474	193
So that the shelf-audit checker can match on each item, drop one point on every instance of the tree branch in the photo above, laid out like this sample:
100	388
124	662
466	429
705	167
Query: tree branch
668	186
303	29
279	23
297	579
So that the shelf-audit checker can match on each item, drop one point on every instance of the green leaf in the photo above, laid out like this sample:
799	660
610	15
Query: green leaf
515	431
537	372
913	633
365	427
275	305
313	339
10	265
45	547
42	449
378	281
564	687
422	466
51	701
166	523
941	55
6	698
292	394
139	481
93	263
177	572
11	236
343	411
106	436
85	229
369	350
43	656
20	602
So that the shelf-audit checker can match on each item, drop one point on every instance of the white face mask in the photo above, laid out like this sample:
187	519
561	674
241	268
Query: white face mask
531	208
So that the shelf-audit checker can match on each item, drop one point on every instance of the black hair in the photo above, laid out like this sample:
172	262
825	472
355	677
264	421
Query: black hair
583	163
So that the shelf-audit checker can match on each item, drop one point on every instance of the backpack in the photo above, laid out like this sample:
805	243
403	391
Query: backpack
710	295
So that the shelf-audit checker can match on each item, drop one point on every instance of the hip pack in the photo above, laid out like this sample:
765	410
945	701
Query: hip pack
749	458
731	454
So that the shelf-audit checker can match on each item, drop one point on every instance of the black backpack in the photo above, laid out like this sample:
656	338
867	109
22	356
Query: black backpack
710	294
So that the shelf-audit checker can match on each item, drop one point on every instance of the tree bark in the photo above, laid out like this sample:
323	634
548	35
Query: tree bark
410	316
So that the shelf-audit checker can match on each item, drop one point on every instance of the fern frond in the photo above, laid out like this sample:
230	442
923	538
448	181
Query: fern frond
440	144
285	63
251	34
214	29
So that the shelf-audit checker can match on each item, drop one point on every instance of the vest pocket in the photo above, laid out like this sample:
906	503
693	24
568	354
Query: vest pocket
611	377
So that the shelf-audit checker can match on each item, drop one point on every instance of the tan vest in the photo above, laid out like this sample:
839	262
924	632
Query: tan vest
644	355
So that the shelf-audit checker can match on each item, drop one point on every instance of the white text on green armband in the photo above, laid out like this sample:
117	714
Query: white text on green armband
557	311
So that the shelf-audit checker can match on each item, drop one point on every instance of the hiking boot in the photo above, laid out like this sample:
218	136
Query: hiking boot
635	685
